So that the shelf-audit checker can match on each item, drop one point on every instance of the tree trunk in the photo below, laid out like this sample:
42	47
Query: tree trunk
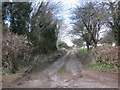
95	44
88	48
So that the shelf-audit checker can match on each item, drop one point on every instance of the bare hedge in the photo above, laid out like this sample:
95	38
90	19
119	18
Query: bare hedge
106	54
15	51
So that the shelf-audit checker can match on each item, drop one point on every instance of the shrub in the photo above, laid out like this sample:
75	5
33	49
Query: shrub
15	51
106	54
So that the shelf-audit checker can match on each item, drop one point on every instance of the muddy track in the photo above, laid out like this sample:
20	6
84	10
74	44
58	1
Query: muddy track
75	76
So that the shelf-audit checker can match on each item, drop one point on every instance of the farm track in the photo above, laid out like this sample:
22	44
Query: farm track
75	76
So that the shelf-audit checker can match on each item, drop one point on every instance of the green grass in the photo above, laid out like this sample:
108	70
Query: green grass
7	74
62	69
101	66
119	71
83	49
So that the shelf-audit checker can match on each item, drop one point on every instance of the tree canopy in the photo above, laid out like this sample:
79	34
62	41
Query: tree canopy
90	17
44	28
28	32
18	16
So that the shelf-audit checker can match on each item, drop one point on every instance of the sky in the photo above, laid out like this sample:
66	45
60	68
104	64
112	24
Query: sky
67	5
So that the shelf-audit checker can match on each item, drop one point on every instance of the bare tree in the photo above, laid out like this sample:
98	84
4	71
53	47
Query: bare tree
89	19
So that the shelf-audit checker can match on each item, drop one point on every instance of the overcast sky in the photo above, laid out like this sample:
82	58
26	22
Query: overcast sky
67	5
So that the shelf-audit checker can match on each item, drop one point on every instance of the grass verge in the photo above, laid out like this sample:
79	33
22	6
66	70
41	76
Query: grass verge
83	49
101	66
87	57
62	69
84	56
8	77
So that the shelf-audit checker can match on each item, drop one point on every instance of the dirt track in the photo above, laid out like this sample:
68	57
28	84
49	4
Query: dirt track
75	76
